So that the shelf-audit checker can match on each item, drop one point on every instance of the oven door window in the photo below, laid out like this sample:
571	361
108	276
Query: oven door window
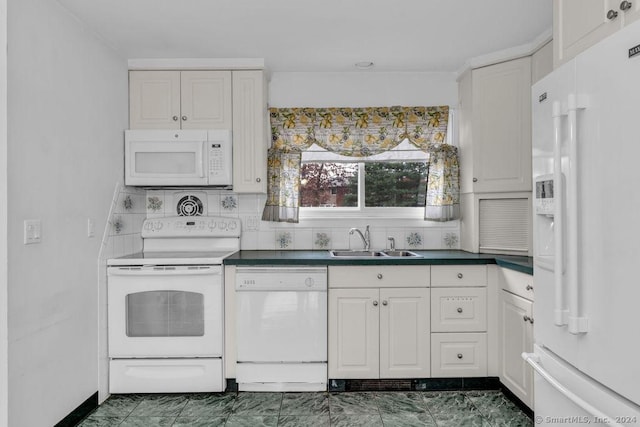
165	314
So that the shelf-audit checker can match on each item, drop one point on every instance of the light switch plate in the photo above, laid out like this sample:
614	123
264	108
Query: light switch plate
32	231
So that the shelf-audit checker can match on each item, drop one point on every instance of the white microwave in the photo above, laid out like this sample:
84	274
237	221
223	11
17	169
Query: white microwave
178	158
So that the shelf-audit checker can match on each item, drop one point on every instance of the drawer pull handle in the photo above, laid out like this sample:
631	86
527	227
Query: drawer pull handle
529	288
384	302
459	275
375	303
459	310
380	276
459	355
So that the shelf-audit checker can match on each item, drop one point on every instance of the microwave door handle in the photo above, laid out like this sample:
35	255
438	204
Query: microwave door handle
204	154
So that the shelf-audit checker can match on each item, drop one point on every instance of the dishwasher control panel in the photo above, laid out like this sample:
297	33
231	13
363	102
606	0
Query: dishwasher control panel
263	279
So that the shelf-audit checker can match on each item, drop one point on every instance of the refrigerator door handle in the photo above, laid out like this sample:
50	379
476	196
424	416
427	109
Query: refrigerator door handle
577	325
560	313
534	360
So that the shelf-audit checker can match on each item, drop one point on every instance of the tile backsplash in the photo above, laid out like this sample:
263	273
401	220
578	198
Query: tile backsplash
309	233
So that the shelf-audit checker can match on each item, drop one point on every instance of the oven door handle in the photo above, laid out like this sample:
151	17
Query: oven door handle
181	270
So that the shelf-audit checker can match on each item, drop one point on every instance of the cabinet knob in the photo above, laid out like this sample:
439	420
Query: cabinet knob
475	179
175	118
460	275
379	276
375	303
459	355
612	14
529	288
384	302
258	180
527	319
459	310
184	118
625	5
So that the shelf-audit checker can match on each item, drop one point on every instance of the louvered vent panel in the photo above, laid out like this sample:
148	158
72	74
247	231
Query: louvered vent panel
504	225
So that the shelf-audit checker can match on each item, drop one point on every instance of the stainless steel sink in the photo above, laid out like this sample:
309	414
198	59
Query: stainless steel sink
356	254
399	253
371	254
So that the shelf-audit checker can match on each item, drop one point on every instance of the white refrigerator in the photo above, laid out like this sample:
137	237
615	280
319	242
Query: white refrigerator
586	170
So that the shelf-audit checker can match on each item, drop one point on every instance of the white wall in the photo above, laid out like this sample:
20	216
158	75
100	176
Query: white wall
4	385
362	89
67	107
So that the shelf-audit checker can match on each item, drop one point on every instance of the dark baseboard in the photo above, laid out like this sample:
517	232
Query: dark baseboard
80	412
512	397
417	384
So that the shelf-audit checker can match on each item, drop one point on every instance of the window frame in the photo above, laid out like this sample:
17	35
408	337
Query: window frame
361	211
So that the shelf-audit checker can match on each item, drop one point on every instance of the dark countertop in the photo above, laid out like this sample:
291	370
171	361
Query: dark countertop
322	257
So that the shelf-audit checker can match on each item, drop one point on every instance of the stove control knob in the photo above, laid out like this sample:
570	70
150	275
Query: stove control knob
222	225
212	225
233	225
309	282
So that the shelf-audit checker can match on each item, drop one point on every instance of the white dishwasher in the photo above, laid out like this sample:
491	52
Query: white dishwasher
281	328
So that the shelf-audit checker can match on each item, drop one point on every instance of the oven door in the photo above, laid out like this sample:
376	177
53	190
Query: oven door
165	311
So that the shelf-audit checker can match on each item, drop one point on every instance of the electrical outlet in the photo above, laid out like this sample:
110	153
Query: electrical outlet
32	231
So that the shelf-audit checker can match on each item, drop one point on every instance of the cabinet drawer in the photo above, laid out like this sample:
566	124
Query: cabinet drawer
359	276
458	309
458	275
517	283
459	355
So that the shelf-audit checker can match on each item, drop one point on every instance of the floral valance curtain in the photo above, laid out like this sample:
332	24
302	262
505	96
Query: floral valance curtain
358	132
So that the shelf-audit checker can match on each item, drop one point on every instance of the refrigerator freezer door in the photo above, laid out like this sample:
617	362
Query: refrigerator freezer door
576	399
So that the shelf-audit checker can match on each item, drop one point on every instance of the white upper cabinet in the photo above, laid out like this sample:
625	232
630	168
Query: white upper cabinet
579	24
180	100
249	132
495	128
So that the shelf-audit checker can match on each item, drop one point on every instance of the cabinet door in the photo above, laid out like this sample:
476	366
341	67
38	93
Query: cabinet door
249	132
502	127
516	335
578	24
205	99
154	99
404	333
354	333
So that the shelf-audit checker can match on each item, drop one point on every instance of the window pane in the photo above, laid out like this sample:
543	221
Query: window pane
329	185
395	184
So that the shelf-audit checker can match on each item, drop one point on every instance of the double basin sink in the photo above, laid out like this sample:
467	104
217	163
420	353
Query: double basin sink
372	254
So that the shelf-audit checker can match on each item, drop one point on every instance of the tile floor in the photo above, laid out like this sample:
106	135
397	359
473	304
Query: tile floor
450	409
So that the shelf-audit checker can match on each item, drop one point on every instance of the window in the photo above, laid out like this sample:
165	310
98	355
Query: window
390	183
386	184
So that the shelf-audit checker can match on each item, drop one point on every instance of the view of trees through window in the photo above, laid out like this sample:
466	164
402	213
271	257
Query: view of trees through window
386	184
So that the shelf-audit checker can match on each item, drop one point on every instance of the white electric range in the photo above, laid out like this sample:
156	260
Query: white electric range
165	307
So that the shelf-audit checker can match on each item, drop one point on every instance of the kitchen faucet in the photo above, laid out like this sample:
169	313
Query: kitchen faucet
365	237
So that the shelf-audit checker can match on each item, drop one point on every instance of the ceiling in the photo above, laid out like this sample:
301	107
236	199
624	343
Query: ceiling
324	36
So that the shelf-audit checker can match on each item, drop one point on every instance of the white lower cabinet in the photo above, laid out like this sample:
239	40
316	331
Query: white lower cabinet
516	334
379	331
